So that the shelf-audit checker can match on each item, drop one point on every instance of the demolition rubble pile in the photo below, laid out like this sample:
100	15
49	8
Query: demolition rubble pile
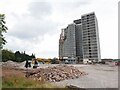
55	74
10	64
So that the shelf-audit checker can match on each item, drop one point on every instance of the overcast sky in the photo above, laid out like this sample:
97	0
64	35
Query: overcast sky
35	25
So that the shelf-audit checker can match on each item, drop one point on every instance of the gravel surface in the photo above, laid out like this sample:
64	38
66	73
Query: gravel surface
99	76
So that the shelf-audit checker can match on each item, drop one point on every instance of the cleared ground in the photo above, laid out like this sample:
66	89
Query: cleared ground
99	76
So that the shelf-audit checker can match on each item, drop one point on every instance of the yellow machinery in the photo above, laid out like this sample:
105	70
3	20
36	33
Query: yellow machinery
42	60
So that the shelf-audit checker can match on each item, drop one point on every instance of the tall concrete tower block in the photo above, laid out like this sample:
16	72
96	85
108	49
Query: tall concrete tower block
90	37
78	37
80	40
67	44
69	41
61	43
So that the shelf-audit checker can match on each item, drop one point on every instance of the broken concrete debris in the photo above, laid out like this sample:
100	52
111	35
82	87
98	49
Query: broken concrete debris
55	74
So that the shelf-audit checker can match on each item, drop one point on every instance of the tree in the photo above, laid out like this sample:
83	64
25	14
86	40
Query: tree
32	56
18	56
3	29
7	55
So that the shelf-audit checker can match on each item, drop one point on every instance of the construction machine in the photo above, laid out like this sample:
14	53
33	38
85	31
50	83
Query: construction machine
41	60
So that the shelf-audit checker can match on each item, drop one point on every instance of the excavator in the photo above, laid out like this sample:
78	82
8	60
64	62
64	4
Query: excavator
41	60
37	61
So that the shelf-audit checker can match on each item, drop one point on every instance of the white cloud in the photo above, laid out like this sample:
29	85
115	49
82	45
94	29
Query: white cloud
34	26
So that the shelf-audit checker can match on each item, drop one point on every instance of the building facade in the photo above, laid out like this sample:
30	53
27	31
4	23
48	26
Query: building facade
90	37
67	46
78	37
80	40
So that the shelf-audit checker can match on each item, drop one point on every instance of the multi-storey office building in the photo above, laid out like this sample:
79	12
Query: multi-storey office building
67	46
80	40
61	42
70	43
90	37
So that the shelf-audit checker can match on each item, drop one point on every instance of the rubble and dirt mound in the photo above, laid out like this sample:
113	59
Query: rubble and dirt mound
50	73
10	64
13	65
55	74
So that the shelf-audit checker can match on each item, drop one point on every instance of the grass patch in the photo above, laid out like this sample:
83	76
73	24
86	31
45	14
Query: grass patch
22	82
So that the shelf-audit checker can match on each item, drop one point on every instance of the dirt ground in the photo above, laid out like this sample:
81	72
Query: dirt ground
12	72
